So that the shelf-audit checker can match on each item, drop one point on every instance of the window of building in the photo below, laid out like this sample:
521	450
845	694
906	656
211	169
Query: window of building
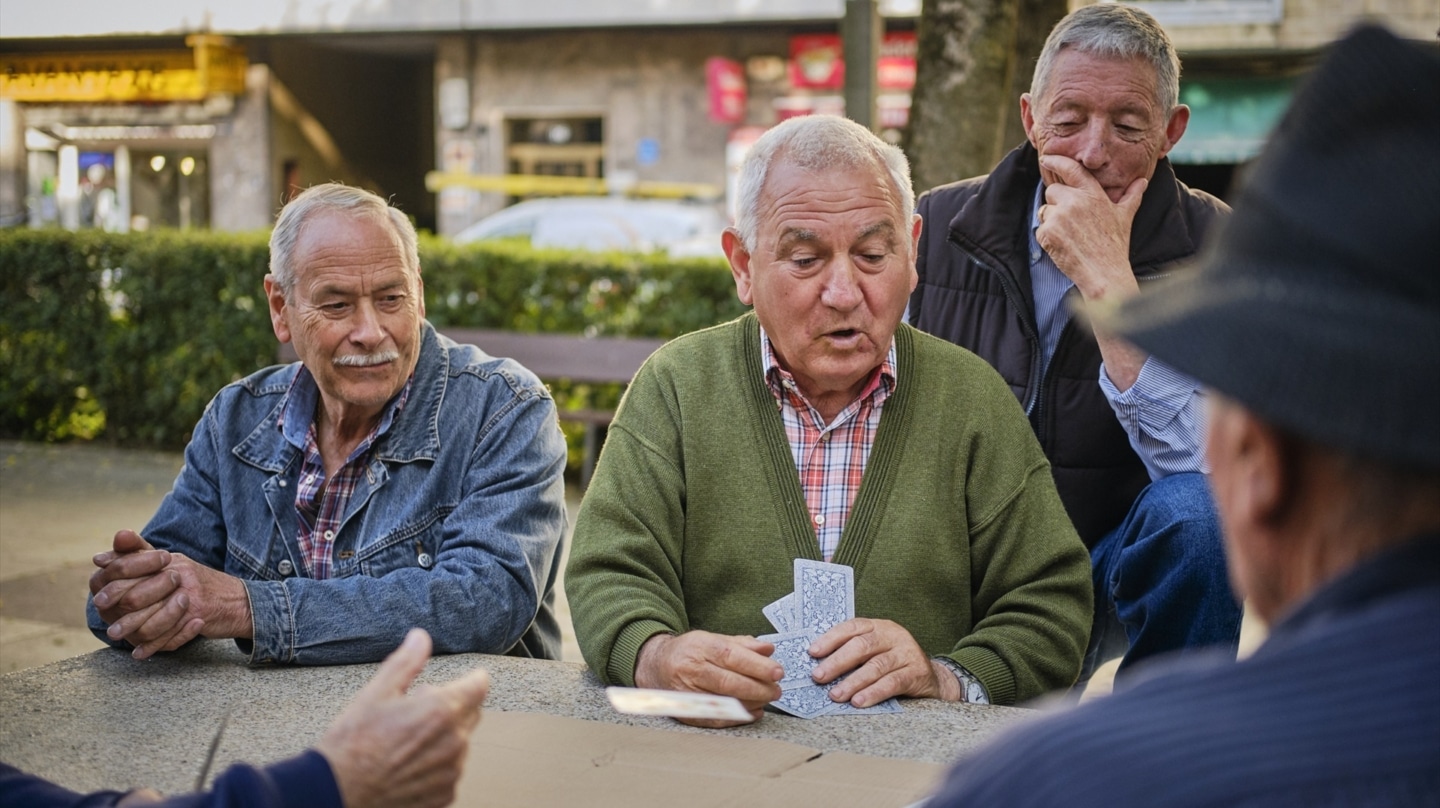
1213	12
557	147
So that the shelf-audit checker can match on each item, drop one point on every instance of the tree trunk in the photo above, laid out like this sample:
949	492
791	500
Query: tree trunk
1036	18
974	59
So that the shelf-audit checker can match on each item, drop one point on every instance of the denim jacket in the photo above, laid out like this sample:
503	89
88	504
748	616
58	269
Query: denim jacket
456	527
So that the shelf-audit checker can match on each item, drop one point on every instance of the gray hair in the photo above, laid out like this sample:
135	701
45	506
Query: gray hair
818	143
333	196
1118	32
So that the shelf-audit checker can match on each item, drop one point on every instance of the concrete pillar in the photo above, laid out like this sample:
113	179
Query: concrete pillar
459	147
860	35
122	186
67	186
242	163
12	164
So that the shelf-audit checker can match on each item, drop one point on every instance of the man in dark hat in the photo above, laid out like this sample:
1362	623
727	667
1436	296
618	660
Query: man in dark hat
1090	208
1315	325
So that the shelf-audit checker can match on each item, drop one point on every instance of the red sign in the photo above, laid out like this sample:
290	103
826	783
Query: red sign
817	61
896	66
725	85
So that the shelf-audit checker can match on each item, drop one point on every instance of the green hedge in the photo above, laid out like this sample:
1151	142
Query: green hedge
126	337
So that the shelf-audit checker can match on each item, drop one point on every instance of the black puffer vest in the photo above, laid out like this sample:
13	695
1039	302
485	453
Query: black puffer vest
975	291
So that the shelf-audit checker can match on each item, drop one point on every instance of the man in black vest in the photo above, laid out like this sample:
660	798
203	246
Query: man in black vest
1090	209
1314	322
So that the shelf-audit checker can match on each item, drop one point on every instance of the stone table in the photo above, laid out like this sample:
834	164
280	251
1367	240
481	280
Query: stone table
104	720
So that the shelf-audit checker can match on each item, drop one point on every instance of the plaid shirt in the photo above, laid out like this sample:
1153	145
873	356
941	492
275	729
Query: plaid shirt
830	458
319	503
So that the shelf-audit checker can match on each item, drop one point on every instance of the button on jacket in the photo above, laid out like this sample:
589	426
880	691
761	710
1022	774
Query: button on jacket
455	527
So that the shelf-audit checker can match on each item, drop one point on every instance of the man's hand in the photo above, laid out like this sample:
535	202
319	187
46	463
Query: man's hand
158	601
132	562
390	749
1088	238
703	662
883	661
1086	234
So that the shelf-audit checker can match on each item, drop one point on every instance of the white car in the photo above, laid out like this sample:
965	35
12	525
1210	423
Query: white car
679	229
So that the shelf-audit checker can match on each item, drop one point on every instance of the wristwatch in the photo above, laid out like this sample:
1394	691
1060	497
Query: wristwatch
971	691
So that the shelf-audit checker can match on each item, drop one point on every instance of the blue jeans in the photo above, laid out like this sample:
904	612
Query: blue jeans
1160	578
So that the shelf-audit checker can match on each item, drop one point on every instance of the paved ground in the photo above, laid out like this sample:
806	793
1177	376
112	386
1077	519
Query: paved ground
60	504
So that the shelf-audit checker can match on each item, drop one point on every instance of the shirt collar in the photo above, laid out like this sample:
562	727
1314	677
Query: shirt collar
297	409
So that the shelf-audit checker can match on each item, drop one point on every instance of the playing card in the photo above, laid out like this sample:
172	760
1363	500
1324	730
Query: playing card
792	652
781	614
846	708
825	594
805	702
675	703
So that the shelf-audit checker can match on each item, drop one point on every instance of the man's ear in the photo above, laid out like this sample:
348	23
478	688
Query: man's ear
276	298
1027	117
739	264
915	229
420	291
1270	465
1175	127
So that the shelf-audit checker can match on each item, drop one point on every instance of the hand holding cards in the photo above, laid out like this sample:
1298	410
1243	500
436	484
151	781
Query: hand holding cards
824	597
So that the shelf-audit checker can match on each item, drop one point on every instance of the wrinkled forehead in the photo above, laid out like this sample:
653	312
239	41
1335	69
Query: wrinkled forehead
786	175
1126	73
358	241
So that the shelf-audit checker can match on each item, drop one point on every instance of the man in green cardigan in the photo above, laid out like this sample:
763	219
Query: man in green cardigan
817	427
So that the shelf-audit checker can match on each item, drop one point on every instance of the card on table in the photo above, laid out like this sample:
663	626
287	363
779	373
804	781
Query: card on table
889	705
808	701
675	703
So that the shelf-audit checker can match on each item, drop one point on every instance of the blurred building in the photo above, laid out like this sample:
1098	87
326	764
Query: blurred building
202	113
1241	61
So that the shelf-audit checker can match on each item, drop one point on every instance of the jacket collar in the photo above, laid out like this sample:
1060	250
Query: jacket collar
1412	565
991	219
414	435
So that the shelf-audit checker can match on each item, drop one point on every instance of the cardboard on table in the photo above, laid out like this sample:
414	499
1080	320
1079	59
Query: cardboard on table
536	759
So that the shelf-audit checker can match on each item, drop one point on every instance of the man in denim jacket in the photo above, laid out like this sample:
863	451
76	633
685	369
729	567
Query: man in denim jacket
390	479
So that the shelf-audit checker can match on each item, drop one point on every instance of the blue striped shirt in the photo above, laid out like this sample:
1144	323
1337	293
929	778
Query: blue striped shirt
1161	412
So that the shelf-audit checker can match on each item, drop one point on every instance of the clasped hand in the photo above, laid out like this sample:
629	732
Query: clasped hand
158	601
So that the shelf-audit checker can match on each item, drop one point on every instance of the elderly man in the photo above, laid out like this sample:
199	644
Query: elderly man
385	749
389	479
814	429
1316	323
1090	207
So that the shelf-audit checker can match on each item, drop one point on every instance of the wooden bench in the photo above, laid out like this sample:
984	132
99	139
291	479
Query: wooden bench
578	358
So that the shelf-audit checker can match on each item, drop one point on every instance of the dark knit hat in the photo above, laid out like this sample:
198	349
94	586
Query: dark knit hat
1318	306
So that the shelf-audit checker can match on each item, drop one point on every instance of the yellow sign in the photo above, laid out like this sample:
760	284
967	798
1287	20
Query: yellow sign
544	185
213	66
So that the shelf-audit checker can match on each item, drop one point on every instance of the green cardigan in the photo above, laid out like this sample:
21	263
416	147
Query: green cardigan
695	514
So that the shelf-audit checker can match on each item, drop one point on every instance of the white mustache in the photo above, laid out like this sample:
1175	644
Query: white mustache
366	360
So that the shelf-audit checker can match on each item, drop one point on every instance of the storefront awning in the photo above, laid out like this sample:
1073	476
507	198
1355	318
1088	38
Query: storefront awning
1230	118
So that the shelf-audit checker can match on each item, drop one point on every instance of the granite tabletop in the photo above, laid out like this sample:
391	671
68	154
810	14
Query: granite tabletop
104	720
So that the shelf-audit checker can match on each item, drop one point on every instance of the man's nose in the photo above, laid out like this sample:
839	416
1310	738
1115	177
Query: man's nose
842	285
1094	147
365	326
